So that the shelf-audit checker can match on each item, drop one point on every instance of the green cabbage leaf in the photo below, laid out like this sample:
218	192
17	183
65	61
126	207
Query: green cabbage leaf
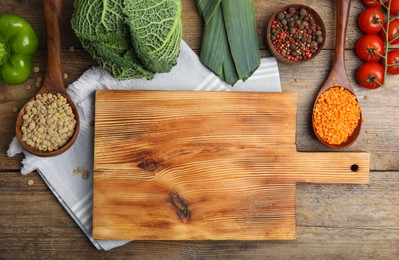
126	42
156	30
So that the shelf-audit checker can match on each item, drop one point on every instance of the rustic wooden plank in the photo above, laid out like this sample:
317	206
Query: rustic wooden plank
26	199
372	206
348	221
360	230
192	28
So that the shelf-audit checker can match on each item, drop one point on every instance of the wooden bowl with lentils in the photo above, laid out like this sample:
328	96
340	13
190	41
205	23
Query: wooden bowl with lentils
295	34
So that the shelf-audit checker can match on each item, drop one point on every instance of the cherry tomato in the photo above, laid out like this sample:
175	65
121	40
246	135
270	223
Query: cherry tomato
393	62
370	75
370	47
394	7
372	3
371	20
393	33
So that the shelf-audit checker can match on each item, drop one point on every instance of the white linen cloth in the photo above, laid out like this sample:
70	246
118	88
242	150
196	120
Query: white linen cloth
74	192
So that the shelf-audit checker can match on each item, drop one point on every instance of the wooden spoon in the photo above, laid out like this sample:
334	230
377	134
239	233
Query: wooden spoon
52	82
338	72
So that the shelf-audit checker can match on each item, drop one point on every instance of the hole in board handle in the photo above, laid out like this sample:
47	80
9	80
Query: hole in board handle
354	167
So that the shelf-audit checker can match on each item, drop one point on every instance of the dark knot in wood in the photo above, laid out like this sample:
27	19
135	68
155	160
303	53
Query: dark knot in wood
149	165
180	206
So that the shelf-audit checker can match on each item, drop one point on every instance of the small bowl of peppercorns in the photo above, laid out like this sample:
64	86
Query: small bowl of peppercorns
295	33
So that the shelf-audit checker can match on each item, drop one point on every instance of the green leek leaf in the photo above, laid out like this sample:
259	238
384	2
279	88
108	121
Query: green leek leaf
239	19
207	8
230	42
215	50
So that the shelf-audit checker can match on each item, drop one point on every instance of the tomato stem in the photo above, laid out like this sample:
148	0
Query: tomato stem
377	54
387	42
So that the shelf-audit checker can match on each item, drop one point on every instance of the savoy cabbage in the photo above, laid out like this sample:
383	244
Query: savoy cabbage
130	38
155	28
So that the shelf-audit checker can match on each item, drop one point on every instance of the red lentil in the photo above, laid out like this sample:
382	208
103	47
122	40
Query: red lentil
336	115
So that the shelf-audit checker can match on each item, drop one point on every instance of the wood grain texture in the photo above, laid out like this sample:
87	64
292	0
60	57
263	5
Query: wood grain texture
333	221
166	162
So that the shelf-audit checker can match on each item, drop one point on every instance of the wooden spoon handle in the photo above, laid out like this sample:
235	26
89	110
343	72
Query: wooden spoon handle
343	8
53	79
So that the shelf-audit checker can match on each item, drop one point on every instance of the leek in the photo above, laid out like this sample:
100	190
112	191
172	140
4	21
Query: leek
230	42
207	8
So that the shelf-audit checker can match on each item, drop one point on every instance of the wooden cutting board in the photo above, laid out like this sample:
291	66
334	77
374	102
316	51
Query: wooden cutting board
177	165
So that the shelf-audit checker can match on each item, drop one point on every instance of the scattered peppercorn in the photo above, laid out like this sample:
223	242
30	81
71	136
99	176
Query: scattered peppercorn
336	115
295	34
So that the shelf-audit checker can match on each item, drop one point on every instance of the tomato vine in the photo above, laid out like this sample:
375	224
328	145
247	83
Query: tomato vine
389	31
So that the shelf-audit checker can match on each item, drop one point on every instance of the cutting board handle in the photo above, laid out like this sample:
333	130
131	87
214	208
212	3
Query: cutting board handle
334	168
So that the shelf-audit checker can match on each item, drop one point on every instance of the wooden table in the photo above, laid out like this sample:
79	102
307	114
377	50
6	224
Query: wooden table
333	221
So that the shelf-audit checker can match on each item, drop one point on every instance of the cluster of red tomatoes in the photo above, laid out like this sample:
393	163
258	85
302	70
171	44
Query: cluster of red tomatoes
371	47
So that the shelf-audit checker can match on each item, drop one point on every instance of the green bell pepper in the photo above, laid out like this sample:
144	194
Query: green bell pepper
18	44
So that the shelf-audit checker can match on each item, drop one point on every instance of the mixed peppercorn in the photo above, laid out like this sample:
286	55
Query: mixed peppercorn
295	34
